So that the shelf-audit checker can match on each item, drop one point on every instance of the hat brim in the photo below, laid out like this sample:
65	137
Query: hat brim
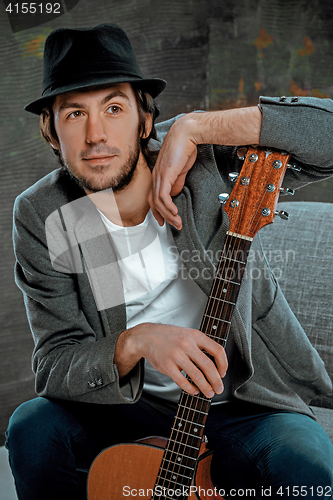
154	86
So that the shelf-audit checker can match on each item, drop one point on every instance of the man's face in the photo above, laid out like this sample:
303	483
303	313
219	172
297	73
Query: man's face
98	132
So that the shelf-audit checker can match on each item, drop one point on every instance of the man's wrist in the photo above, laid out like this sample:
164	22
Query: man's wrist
231	127
126	354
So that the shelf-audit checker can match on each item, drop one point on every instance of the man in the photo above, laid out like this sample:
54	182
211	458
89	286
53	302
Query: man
109	297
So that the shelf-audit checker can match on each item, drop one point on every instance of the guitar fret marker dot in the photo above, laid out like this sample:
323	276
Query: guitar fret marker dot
179	459
173	477
224	290
179	425
195	430
214	327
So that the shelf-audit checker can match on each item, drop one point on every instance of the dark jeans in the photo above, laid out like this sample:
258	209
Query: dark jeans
259	452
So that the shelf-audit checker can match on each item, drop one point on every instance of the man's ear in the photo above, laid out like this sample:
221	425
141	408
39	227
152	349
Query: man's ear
54	143
148	126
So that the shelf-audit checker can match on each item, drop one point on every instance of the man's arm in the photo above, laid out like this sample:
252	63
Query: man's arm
302	126
178	153
170	349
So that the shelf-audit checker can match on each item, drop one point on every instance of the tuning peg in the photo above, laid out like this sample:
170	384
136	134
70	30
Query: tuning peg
282	214
294	167
233	176
287	191
241	153
223	198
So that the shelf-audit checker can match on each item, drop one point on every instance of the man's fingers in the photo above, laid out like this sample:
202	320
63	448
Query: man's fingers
215	350
202	370
174	161
205	375
162	205
184	383
198	382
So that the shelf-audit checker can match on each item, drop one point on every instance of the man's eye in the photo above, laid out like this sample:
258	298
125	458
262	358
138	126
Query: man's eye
113	109
75	114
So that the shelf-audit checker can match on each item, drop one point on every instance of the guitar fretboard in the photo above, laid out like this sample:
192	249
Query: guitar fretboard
180	456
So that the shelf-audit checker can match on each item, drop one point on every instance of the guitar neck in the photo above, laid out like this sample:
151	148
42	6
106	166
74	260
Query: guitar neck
180	456
224	292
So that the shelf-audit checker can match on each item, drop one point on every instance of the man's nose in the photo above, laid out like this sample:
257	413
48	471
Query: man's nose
95	130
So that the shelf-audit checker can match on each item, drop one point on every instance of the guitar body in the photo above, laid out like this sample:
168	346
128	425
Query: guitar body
129	470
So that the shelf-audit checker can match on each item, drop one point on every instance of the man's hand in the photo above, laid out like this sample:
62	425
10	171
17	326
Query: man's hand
176	157
178	153
171	349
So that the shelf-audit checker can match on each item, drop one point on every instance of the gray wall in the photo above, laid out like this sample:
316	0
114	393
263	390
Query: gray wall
213	53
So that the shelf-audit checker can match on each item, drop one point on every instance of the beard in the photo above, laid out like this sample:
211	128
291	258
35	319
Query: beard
116	183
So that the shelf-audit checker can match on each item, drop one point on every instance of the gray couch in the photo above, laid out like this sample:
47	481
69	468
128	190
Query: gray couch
300	253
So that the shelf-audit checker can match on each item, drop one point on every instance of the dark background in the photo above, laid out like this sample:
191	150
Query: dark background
213	53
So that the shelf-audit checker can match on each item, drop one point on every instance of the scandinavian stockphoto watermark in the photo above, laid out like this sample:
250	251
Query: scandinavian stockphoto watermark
25	15
261	265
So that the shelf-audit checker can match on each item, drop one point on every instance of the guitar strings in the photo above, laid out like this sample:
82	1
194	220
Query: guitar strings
183	413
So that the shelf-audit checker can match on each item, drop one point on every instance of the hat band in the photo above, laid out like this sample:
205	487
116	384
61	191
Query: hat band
89	80
86	71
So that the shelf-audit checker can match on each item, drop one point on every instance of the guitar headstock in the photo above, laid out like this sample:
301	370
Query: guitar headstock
252	202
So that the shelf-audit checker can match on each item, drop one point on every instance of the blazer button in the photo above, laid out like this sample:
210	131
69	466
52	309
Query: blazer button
283	98
99	381
294	99
92	384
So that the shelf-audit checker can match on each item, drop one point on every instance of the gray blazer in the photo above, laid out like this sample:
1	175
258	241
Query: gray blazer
63	274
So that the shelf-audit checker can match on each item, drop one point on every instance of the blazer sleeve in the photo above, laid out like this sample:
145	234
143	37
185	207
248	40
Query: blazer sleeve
303	126
73	355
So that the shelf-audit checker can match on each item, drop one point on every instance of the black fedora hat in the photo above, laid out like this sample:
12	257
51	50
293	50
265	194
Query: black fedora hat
81	58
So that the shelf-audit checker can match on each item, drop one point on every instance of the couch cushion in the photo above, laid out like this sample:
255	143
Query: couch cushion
299	252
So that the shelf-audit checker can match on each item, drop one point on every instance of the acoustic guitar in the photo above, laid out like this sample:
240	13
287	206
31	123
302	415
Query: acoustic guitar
179	468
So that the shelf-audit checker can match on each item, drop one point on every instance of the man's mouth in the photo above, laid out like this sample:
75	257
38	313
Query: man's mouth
98	160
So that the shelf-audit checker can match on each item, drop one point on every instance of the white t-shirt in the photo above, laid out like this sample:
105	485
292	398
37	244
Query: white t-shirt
157	288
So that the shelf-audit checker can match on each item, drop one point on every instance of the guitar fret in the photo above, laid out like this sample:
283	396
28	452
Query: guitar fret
189	421
233	260
185	444
217	339
180	464
183	422
178	454
223	300
217	319
176	474
201	398
186	433
175	484
193	409
226	280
